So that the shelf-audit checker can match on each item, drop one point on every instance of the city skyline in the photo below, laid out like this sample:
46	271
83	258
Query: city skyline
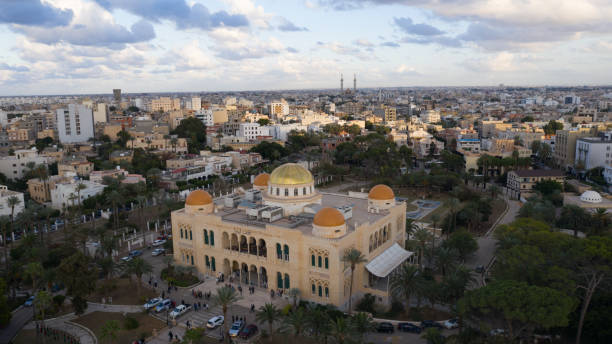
92	46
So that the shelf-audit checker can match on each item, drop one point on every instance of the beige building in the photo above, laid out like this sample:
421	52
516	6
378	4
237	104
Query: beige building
40	191
75	167
285	234
521	182
165	104
565	146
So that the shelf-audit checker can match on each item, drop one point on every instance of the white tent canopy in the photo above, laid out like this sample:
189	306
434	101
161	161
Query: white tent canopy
391	258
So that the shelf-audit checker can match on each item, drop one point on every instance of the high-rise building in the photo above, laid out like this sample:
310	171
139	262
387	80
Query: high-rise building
565	146
279	109
196	103
117	95
75	124
99	114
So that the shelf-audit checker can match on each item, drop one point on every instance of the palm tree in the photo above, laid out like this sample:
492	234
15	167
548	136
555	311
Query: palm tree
79	187
294	294
114	197
4	222
353	257
12	202
422	237
405	283
601	221
362	324
34	271
453	206
433	336
225	297
109	331
268	313
495	190
341	330
296	319
446	258
42	302
138	267
318	321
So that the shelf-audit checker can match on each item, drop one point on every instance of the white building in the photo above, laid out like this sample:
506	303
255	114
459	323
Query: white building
15	166
252	130
593	152
99	115
5	208
75	124
66	194
281	131
430	116
206	116
196	103
279	109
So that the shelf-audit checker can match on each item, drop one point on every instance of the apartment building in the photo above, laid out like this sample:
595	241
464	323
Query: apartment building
565	146
593	152
15	166
522	182
75	124
5	208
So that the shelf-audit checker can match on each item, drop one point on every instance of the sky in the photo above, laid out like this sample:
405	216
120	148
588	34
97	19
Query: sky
93	46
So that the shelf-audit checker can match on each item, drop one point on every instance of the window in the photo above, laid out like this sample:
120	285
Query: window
279	280
207	261
314	288
212	238
279	251
287	282
277	191
312	260
295	192
304	191
319	261
214	267
190	235
320	291
205	237
181	233
326	292
326	262
286	249
286	192
191	260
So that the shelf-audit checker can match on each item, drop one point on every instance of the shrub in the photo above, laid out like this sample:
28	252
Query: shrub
286	310
58	300
130	323
366	304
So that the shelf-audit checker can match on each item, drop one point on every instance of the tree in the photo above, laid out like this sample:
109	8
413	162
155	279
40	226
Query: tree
5	311
123	137
421	236
353	257
552	127
433	336
575	218
446	259
138	267
263	121
42	301
110	329
12	202
519	305
318	321
362	324
268	313
547	187
193	336
294	294
463	243
405	283
341	330
194	131
4	223
79	277
270	150
225	297
296	319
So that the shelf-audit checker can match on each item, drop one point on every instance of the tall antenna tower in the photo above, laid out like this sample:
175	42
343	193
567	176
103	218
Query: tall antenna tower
341	83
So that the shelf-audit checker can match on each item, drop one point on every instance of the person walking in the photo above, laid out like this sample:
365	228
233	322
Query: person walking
170	336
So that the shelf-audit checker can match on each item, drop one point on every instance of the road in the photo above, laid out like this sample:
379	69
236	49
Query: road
20	317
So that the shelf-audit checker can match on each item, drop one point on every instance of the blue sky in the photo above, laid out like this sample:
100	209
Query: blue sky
92	46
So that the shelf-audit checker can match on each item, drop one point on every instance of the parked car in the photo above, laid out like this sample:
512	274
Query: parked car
135	253
248	331
179	310
480	269
159	242
158	251
126	259
451	324
386	327
29	301
408	327
162	306
215	321
497	332
236	327
152	303
430	323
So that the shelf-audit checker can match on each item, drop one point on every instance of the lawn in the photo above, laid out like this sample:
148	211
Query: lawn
96	320
119	295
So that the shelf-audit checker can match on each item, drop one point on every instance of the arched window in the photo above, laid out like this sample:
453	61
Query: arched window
212	238
214	267
279	280
320	261
312	260
326	292
277	191
286	192
279	251
287	282
326	262
320	291
191	260
190	235
181	233
314	289
205	237
295	192
207	261
286	249
304	191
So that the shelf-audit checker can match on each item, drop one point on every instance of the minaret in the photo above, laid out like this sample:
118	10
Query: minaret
341	83
355	82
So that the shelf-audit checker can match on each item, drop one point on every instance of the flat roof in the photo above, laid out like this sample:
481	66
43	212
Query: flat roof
539	173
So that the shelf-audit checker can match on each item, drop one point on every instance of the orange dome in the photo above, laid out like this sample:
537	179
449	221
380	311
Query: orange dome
328	217
381	192
261	179
198	197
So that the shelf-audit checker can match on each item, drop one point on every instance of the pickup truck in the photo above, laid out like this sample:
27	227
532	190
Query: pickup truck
179	310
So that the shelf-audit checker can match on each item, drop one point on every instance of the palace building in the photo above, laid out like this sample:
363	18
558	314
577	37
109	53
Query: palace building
284	234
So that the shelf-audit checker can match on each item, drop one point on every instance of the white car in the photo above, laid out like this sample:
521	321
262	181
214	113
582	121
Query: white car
451	324
179	310
497	332
159	242
162	306
152	303
126	259
215	321
158	251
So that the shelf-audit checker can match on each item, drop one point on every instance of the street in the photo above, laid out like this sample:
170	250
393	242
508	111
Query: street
20	317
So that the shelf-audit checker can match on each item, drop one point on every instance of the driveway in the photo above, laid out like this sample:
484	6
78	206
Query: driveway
20	317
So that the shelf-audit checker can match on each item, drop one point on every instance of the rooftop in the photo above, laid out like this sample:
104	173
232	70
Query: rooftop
539	173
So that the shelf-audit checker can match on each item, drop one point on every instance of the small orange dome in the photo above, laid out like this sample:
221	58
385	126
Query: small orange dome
198	197
261	179
328	217
381	192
